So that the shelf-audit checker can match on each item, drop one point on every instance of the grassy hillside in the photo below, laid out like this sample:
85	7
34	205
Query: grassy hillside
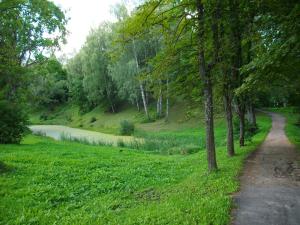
43	181
181	117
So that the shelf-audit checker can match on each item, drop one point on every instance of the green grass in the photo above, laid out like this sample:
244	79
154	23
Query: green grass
43	181
292	127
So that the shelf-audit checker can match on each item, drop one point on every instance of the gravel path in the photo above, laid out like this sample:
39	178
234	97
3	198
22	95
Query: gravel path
57	131
270	185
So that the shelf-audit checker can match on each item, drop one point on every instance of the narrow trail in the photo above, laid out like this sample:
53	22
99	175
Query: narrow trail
270	185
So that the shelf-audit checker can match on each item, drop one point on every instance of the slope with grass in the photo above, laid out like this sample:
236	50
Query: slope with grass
180	117
43	181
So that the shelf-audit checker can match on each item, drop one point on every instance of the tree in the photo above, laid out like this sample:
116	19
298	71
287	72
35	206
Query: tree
23	42
175	18
48	84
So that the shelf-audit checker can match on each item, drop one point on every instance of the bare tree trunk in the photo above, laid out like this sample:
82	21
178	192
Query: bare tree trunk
144	100
208	95
141	84
228	111
138	104
157	108
167	102
113	108
159	104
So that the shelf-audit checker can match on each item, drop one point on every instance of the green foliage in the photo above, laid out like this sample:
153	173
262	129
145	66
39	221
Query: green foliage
48	86
89	80
298	122
12	122
43	116
126	127
24	25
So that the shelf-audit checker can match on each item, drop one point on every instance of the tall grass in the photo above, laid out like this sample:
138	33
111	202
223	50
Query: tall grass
67	137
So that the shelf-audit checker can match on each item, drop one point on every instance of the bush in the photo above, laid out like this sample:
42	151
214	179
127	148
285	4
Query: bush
126	127
93	119
12	123
44	116
69	118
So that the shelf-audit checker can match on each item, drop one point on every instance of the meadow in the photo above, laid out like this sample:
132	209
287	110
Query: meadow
43	181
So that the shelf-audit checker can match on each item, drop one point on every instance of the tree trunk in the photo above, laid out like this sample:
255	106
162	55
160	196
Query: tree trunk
113	108
144	100
160	105
157	108
208	95
141	84
167	102
251	115
138	104
228	111
241	113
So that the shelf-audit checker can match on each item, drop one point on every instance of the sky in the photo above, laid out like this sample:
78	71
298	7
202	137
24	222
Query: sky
84	15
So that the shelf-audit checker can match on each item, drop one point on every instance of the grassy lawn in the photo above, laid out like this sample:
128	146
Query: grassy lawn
292	127
49	182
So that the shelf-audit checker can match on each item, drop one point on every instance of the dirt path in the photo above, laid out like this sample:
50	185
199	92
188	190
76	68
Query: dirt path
57	131
270	185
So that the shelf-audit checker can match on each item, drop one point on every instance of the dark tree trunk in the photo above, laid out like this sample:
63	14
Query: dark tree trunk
138	104
241	113
209	121
228	111
208	95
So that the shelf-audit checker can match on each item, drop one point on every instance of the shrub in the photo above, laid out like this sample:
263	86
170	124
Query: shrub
69	118
44	116
12	122
93	119
126	127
